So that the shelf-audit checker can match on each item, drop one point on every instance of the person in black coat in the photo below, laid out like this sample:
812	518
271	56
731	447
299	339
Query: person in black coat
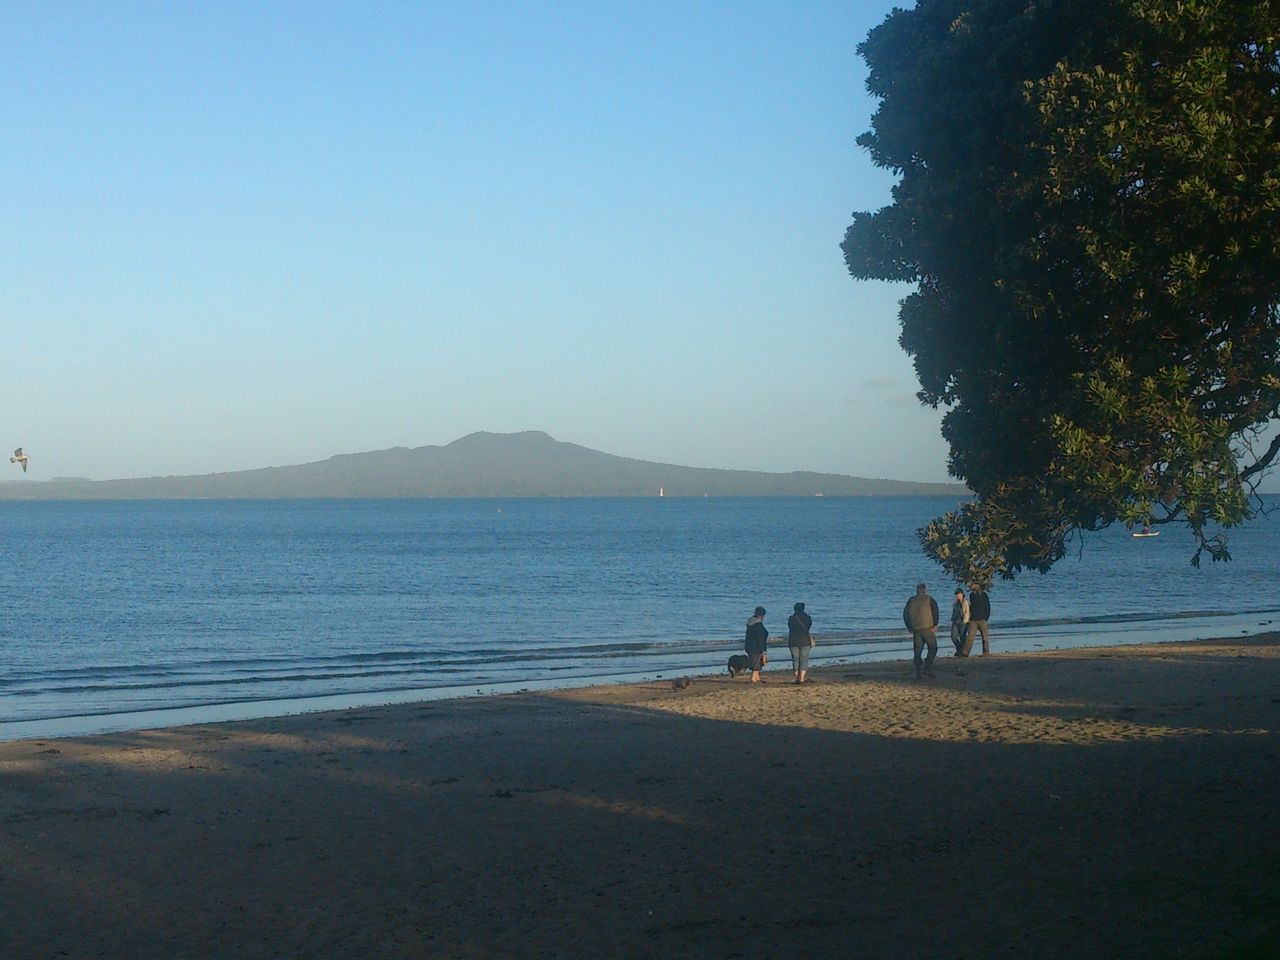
800	640
979	614
757	643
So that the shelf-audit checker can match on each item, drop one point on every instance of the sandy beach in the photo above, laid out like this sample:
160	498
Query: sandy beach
1119	802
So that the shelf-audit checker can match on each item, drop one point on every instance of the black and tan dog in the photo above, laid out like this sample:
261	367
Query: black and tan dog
739	663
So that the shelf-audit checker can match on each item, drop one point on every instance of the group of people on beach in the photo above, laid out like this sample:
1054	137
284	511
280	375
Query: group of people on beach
969	619
799	639
969	616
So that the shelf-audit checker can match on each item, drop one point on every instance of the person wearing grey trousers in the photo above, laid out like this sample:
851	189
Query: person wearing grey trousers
921	617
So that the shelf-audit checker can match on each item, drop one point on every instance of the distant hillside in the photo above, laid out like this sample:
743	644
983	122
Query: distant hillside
528	464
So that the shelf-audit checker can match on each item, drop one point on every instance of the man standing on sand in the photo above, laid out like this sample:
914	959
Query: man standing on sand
800	641
979	614
921	617
757	643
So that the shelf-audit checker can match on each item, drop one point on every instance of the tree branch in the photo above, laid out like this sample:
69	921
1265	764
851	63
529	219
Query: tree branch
1264	461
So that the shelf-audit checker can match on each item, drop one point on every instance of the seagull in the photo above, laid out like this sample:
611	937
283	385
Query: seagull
19	457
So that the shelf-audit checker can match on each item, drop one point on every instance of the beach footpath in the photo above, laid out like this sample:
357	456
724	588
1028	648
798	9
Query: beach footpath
1097	803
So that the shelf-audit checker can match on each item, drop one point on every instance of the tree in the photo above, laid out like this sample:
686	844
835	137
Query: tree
1089	207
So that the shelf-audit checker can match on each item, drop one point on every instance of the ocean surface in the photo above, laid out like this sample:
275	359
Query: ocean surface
120	615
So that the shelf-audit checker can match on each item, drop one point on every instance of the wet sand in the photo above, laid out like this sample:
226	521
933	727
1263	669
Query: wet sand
1119	802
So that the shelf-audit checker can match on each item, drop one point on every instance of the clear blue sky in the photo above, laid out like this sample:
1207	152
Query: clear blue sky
240	235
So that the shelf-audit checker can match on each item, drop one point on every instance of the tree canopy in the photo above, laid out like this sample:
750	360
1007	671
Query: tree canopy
1089	209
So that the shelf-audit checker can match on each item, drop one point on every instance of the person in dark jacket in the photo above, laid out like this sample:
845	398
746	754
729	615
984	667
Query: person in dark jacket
800	641
979	614
959	621
921	617
757	643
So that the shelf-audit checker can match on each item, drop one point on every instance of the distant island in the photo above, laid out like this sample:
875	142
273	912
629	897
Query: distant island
529	464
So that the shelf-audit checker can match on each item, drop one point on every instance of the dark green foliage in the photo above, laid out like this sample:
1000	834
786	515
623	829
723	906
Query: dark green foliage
1090	210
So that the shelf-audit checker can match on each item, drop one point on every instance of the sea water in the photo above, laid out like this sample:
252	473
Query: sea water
141	613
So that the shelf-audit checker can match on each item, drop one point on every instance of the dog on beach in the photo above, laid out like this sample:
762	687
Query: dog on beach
739	663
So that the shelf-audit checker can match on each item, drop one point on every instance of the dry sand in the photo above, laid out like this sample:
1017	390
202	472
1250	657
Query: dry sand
1102	803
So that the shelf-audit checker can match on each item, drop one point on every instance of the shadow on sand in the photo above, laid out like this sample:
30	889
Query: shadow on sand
540	826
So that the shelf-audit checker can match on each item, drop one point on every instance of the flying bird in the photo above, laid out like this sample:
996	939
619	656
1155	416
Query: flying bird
19	457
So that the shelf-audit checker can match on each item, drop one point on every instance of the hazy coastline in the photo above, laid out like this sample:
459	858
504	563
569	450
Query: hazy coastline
529	464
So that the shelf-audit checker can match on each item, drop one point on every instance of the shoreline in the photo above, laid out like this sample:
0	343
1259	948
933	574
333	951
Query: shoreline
1090	802
834	650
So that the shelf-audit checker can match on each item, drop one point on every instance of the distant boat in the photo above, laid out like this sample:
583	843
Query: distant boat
1146	533
660	493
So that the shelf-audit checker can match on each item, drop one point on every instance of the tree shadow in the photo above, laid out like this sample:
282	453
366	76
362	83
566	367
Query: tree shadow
553	826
